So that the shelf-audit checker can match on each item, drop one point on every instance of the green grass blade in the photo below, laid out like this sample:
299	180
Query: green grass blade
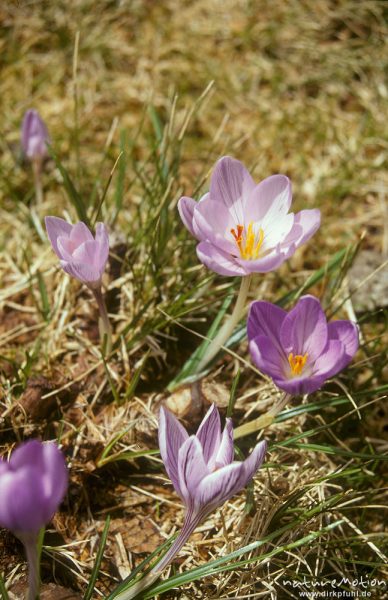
3	589
232	396
96	567
129	581
190	365
45	305
74	197
218	566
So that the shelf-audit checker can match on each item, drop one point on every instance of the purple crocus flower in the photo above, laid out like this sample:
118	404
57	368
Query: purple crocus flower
32	483
299	349
245	228
81	255
34	136
202	469
32	486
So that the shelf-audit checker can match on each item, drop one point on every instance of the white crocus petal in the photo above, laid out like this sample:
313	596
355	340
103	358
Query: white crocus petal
225	452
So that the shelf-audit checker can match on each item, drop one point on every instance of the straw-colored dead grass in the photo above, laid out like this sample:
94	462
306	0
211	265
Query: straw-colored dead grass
299	89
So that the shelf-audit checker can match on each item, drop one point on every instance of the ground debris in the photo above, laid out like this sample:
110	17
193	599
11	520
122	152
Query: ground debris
49	591
139	534
37	403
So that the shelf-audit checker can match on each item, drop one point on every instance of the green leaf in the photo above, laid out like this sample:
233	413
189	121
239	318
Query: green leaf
96	567
232	395
45	305
190	365
72	193
128	582
217	566
3	589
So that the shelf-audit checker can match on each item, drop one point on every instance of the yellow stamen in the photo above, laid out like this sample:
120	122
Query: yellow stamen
297	362
249	248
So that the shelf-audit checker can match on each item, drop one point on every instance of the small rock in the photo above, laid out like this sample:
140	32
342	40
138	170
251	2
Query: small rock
372	294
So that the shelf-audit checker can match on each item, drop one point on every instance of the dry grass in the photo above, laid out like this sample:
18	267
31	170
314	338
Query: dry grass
298	88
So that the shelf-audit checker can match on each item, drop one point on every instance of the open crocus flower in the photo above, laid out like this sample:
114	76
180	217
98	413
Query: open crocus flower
202	469
81	255
34	136
32	486
299	349
246	228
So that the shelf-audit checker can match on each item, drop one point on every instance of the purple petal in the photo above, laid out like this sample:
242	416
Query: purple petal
331	360
191	468
309	221
80	233
347	333
186	208
102	240
219	486
55	479
231	183
22	500
293	237
218	261
171	437
212	222
85	273
304	330
34	135
270	199
263	265
225	452
27	454
87	253
209	434
267	357
56	227
254	462
265	318
32	486
65	247
27	123
300	385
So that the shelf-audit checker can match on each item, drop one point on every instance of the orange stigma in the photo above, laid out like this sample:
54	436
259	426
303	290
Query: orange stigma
249	245
297	362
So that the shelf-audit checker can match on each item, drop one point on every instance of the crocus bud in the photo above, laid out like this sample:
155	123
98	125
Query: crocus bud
81	255
32	485
34	136
299	349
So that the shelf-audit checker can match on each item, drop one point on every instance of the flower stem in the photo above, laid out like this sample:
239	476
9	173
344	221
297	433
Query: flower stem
228	327
31	543
263	421
104	323
191	522
37	171
275	410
